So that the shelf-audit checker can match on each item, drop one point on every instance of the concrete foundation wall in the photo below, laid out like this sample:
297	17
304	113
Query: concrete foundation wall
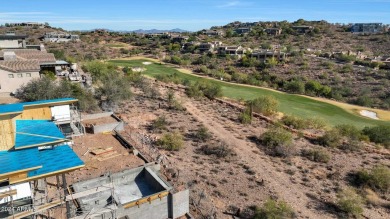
157	209
96	115
9	44
179	203
107	127
9	85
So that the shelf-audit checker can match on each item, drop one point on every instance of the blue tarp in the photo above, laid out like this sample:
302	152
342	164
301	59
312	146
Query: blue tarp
48	101
36	132
52	160
18	107
11	108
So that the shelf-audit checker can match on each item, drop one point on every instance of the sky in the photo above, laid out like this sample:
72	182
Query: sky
189	15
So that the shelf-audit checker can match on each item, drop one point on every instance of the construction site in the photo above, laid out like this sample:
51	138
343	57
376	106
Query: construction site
57	163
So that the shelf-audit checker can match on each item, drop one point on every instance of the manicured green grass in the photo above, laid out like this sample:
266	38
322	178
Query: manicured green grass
288	103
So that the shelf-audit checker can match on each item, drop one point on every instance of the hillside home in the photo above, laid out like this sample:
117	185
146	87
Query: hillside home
367	28
179	39
273	31
302	29
15	73
243	30
209	46
213	32
232	50
33	148
29	24
12	41
59	37
264	54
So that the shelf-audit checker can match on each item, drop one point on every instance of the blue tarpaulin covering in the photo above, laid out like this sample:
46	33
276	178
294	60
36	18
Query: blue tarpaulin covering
18	107
30	133
52	160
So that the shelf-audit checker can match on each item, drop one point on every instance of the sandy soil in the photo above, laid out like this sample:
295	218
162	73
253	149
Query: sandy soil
249	176
6	98
93	167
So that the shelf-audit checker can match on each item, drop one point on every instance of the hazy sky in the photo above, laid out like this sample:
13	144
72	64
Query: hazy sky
187	14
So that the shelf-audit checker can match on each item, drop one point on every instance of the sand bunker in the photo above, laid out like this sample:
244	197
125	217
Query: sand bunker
138	69
369	114
146	63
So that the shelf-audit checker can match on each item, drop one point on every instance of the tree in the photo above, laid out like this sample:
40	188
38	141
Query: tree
47	89
114	89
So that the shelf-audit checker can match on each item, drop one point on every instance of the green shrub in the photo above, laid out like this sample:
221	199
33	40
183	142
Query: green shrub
202	134
204	88
350	203
171	141
266	105
220	150
245	117
378	178
349	131
379	134
295	87
275	210
316	155
295	122
278	141
160	123
331	138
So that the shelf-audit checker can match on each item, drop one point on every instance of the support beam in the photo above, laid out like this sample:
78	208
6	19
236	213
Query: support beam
66	193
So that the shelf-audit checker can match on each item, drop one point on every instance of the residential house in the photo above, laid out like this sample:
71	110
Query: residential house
59	37
29	24
209	46
367	28
303	29
213	32
264	54
232	50
273	31
33	148
179	39
11	41
243	30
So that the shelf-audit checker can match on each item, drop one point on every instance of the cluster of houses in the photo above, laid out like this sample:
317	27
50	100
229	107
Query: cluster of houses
59	37
28	24
20	63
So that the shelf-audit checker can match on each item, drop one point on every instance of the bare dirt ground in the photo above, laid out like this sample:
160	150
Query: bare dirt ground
6	98
249	176
117	159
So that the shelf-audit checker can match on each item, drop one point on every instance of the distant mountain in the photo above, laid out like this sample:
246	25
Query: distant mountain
177	30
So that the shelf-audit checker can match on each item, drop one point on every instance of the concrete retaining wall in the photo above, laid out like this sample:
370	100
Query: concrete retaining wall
179	203
96	115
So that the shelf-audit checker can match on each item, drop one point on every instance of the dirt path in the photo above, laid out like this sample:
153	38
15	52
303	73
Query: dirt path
275	181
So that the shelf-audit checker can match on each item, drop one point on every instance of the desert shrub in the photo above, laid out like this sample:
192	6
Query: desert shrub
316	123
204	88
173	103
202	134
266	105
295	87
349	133
378	178
245	117
350	203
220	150
295	122
378	134
274	209
171	141
316	155
160	123
278	141
331	138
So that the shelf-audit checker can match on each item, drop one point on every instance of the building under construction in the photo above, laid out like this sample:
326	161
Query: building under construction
45	174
